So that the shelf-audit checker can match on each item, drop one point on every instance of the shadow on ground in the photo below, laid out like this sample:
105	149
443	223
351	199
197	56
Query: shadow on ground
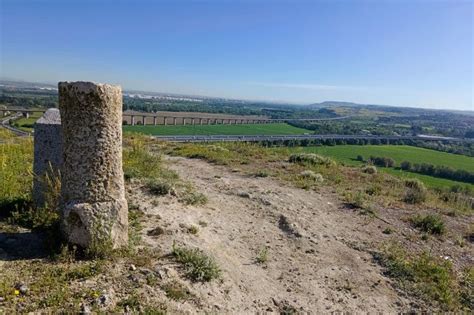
22	245
17	240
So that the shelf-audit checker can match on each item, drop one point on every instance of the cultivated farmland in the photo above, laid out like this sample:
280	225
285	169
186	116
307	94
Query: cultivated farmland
246	129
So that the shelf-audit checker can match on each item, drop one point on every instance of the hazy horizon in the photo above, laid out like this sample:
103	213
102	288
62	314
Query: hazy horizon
414	54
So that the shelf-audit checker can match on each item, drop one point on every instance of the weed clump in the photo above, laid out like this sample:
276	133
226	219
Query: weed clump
139	162
198	266
430	223
176	291
416	191
311	159
261	173
193	229
356	200
159	187
262	256
429	277
193	198
308	174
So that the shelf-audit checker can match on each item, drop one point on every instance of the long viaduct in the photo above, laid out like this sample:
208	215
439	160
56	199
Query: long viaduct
151	119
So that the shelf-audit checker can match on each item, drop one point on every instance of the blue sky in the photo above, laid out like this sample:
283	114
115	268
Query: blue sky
407	53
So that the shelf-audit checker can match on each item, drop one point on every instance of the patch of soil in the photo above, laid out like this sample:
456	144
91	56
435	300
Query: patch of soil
314	259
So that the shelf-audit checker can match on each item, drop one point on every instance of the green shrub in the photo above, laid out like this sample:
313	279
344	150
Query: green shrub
193	229
405	165
159	187
198	266
311	159
261	173
415	191
430	223
262	256
373	190
308	174
194	198
356	199
35	218
382	161
369	169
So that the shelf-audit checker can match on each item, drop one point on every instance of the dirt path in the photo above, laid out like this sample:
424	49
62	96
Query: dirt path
313	262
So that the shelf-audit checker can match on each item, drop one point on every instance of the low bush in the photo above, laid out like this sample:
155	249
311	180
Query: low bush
430	223
308	174
356	199
369	169
194	198
415	191
159	187
311	159
262	256
261	173
198	266
382	161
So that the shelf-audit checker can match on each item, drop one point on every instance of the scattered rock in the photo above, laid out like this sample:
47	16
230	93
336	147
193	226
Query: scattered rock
287	227
132	267
265	201
106	299
244	194
156	231
85	309
22	288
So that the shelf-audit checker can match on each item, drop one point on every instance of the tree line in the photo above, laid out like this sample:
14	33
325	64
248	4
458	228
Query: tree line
439	171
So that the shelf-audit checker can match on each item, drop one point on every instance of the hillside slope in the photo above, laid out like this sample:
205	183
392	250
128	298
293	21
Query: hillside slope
314	260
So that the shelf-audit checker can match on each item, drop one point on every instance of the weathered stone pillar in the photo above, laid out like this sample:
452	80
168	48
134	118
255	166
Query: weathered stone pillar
193	121
200	121
144	120
184	121
154	120
94	208
174	121
132	120
208	121
164	121
48	155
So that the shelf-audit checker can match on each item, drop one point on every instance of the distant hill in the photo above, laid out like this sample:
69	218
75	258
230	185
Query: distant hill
334	103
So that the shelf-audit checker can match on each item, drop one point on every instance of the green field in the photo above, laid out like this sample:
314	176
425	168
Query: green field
26	124
246	129
347	154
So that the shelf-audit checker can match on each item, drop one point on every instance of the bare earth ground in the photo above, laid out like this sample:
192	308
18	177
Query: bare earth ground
315	257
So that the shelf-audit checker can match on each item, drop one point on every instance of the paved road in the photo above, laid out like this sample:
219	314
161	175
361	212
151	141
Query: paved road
260	138
5	123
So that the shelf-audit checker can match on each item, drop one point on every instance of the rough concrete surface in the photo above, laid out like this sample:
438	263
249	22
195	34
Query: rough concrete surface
93	199
48	157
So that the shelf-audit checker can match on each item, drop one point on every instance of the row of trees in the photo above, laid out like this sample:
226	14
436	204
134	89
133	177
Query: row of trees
439	171
423	168
380	161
